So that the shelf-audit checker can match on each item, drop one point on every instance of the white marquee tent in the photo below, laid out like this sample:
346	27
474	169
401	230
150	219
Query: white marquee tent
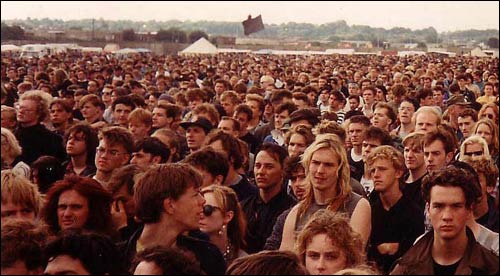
201	46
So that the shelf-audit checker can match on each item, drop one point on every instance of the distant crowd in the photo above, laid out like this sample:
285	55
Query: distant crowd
249	164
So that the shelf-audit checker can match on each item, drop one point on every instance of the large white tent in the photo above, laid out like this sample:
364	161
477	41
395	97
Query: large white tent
201	46
10	47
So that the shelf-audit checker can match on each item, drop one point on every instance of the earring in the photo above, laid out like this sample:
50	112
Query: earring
221	231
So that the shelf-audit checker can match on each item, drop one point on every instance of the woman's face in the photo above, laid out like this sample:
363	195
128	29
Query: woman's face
323	257
211	224
484	131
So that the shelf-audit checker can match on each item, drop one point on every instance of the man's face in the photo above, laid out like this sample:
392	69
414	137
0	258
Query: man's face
406	111
380	119
297	145
414	157
142	159
76	146
11	210
368	146
437	97
357	133
139	130
27	113
65	264
195	136
254	105
90	112
385	176
72	210
120	114
58	115
465	124
368	96
353	103
243	119
110	156
279	119
160	119
228	107
324	169
435	156
426	122
448	212
195	103
427	101
227	126
298	183
268	171
219	88
188	209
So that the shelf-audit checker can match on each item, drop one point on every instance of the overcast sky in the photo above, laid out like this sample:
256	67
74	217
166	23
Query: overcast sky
444	16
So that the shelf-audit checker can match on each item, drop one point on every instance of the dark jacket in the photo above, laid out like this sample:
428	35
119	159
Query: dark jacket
477	260
37	141
208	255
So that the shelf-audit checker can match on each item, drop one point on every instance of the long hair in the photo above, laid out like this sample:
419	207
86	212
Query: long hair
99	203
331	142
228	201
494	147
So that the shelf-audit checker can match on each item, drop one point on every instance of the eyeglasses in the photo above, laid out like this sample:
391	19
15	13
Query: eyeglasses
101	151
209	209
474	153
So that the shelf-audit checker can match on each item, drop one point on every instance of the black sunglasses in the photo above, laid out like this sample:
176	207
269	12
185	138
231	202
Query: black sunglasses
209	209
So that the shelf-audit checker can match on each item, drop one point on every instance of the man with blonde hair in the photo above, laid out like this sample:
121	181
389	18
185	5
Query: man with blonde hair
427	119
20	198
392	232
32	111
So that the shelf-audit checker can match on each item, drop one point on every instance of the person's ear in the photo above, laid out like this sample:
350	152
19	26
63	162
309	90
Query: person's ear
168	205
218	180
228	217
449	157
156	160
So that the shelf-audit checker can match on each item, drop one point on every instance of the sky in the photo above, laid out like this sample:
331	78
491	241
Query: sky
442	15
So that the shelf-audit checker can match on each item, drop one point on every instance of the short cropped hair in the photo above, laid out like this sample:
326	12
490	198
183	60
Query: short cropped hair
153	146
161	182
442	134
453	176
210	160
388	153
171	261
23	241
118	135
97	253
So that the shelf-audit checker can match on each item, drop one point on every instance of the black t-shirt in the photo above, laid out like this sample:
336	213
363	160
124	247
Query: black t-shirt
445	269
357	167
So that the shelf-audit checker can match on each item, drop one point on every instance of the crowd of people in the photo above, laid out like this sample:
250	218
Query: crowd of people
249	164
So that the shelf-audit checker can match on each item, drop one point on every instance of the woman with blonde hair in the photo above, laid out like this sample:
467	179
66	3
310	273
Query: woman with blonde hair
474	147
328	244
488	129
11	151
489	111
328	178
223	221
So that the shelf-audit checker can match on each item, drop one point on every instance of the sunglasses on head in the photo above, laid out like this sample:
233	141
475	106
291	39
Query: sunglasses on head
474	153
209	209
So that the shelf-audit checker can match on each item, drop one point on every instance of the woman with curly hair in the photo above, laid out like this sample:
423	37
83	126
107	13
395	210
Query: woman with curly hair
327	244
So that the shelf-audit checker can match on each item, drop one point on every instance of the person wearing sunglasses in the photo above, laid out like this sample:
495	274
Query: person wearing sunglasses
488	129
489	111
223	221
474	147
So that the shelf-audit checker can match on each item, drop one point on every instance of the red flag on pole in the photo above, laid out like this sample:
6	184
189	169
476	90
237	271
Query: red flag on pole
252	25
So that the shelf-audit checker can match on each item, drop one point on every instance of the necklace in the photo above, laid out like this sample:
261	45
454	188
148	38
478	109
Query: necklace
228	250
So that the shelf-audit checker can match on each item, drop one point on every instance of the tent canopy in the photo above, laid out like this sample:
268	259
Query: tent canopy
10	47
201	46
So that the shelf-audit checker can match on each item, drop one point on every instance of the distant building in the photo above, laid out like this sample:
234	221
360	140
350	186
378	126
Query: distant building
224	40
348	44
